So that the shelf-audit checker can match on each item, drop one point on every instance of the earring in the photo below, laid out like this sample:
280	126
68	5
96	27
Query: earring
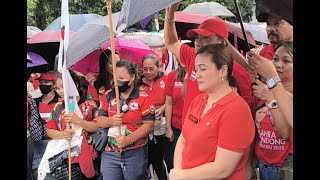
222	78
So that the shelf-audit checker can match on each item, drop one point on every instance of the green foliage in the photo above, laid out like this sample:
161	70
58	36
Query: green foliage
41	13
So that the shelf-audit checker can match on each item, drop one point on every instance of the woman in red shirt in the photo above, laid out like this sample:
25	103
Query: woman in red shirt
274	144
56	129
125	155
218	128
153	83
174	107
104	81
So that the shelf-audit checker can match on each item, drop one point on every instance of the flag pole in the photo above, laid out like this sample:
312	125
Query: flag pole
115	72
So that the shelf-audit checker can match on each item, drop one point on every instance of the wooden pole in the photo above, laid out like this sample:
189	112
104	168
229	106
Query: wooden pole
115	72
69	153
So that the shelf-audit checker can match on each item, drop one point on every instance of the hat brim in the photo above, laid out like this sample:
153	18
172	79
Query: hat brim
43	79
193	32
263	17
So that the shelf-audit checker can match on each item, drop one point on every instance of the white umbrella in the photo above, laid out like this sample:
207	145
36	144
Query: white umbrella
32	30
209	8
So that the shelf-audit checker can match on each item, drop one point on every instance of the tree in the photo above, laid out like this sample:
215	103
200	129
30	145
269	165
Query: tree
41	13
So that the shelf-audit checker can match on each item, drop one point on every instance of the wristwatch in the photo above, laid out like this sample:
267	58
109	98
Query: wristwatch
272	105
272	82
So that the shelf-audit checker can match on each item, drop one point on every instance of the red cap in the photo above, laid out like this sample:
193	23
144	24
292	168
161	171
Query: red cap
48	76
210	27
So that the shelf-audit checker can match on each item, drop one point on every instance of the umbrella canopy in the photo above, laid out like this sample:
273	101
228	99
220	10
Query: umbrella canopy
128	49
151	40
36	59
209	8
47	36
282	8
32	30
75	21
191	21
131	11
258	32
89	38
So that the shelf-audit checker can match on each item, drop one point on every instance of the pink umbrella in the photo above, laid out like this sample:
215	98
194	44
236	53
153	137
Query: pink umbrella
132	50
46	36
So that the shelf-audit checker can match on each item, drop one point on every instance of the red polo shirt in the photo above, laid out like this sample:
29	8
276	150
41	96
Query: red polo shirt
268	51
156	91
173	89
228	124
187	58
141	109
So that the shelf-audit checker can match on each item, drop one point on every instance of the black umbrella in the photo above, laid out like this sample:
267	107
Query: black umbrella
131	11
281	8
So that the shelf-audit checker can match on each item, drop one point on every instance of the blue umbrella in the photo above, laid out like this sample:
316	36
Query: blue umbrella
36	60
75	21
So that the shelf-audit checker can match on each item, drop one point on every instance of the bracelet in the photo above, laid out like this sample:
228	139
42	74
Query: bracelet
169	20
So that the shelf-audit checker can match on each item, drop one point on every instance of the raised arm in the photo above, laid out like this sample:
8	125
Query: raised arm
171	40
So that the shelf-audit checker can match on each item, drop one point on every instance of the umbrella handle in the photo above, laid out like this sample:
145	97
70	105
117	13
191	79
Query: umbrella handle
241	24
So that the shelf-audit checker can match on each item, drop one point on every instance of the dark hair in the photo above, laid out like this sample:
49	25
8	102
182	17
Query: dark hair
180	73
76	80
153	57
288	45
220	55
104	76
131	67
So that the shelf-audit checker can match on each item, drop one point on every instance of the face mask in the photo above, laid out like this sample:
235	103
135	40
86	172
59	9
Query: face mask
123	86
45	89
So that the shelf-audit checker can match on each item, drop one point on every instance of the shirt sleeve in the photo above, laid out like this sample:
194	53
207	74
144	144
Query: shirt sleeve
148	109
186	55
236	129
170	83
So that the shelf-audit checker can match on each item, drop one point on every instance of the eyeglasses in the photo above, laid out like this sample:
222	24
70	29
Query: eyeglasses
150	69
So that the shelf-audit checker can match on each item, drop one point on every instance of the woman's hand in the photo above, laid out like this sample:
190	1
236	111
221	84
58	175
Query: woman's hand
176	174
261	91
67	134
72	118
122	141
261	65
117	119
169	134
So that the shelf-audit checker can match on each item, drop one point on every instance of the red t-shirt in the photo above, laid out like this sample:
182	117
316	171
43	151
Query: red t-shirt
141	108
56	121
173	89
157	91
270	147
187	58
268	51
228	124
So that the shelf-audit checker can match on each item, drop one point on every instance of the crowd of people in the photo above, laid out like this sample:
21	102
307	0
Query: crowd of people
218	115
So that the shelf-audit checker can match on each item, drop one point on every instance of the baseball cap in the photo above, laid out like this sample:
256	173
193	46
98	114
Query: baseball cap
210	27
32	92
48	76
